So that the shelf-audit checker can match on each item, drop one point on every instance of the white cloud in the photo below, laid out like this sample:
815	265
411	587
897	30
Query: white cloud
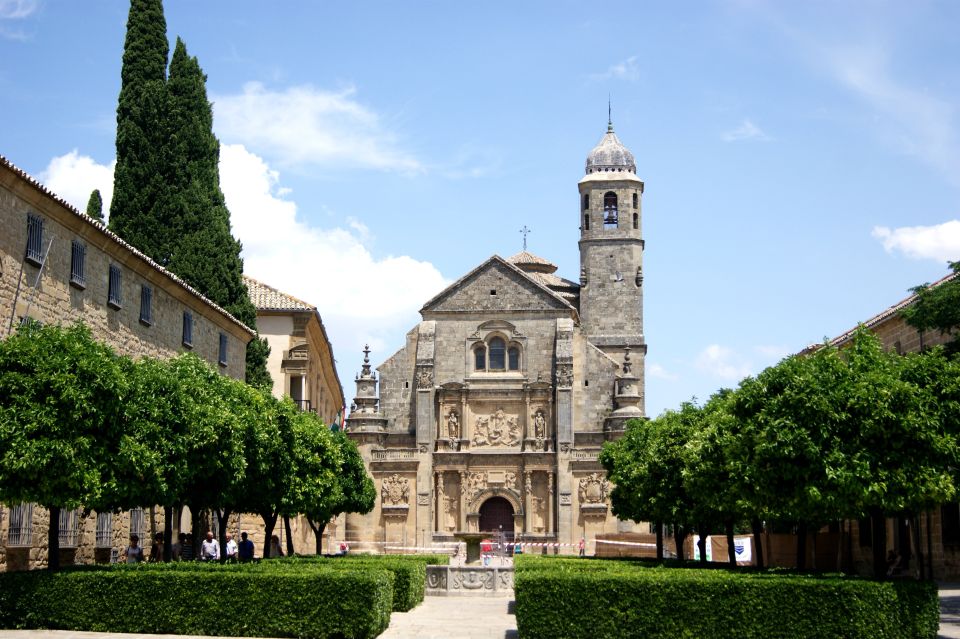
723	363
919	122
624	70
939	242
746	131
361	297
304	125
74	177
16	10
656	370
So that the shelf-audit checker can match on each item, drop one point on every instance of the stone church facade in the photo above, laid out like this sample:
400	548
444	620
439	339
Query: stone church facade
492	415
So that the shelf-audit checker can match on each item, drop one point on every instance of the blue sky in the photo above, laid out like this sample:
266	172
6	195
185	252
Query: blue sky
801	160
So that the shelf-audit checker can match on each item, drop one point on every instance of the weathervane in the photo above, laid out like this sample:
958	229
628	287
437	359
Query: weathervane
525	231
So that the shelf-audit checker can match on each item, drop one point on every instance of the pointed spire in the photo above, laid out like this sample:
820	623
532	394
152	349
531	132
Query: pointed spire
366	361
609	115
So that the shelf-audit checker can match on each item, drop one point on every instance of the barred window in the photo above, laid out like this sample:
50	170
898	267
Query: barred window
34	239
223	350
114	298
136	522
78	258
69	528
20	530
104	530
188	329
146	305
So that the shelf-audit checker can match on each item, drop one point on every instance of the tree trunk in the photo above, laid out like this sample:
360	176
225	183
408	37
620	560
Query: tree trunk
318	533
879	526
53	539
702	542
801	546
915	522
929	546
224	516
731	544
286	528
167	533
269	523
756	527
679	534
813	545
659	527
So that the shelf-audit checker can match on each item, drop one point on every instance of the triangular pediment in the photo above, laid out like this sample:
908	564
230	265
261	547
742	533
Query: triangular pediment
496	286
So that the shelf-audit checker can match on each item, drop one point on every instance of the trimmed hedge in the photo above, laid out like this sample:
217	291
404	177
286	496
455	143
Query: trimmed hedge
599	599
409	572
310	602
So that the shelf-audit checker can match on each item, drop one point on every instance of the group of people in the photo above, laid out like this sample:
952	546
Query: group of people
209	550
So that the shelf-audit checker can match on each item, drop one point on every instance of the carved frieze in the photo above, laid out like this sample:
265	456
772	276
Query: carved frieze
497	429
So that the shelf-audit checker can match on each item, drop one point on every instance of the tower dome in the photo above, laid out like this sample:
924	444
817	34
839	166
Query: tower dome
610	155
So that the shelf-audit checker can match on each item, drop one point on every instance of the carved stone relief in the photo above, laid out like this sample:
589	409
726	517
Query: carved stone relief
593	489
395	491
424	378
564	375
497	429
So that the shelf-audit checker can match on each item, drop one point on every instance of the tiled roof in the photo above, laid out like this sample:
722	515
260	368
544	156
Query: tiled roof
879	318
525	257
267	298
102	228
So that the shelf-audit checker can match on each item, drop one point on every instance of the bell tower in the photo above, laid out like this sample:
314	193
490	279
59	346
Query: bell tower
611	251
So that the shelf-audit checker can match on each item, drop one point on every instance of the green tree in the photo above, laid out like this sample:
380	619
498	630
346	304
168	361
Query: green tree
937	308
140	175
353	491
95	205
646	466
61	395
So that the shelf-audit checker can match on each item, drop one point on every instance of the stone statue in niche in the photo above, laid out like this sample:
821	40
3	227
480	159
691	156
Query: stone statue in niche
498	429
539	425
538	513
395	491
593	489
453	425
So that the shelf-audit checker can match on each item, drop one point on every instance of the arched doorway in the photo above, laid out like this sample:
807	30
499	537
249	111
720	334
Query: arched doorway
494	513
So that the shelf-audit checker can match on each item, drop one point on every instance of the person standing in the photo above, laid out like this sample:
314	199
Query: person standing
275	549
156	551
210	548
231	549
133	552
582	547
245	549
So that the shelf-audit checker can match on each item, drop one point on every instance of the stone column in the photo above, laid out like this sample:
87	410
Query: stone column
527	492
438	502
462	511
551	527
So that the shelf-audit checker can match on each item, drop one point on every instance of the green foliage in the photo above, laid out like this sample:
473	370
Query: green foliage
409	572
139	176
306	601
937	308
628	599
61	393
95	205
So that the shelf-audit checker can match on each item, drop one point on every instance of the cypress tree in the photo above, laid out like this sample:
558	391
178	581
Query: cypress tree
205	254
138	180
95	205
